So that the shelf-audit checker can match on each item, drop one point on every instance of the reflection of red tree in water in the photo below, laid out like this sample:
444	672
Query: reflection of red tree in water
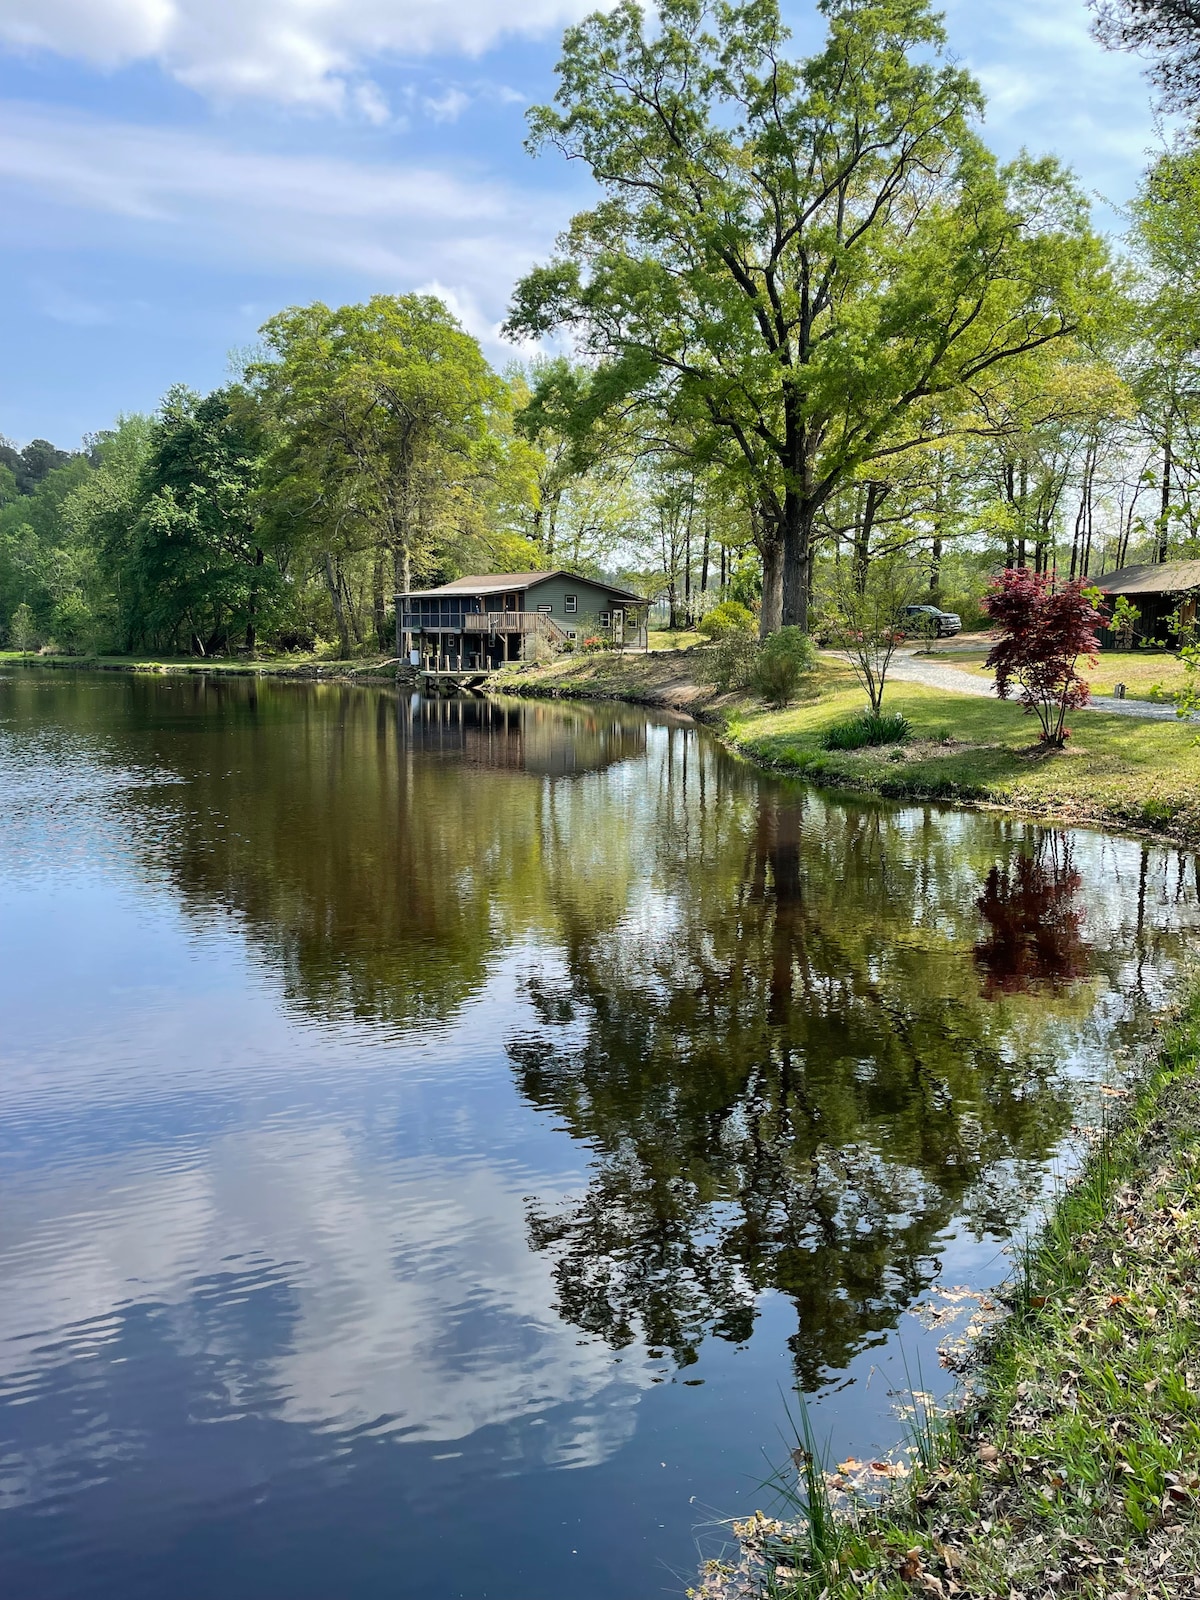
1034	934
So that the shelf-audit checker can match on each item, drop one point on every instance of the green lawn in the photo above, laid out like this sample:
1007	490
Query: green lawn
679	639
1116	769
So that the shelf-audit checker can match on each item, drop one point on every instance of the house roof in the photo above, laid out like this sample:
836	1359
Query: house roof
506	582
1161	577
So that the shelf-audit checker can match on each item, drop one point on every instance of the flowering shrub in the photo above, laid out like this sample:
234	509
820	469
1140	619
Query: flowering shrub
1044	630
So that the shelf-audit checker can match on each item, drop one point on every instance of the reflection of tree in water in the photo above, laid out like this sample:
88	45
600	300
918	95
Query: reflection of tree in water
1034	936
796	1089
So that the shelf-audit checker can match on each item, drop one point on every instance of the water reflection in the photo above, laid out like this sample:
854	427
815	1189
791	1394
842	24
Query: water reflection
396	1097
1034	924
792	1084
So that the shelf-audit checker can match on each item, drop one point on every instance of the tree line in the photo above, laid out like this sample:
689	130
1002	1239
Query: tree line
814	324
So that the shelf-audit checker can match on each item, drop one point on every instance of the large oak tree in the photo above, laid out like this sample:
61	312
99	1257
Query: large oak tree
816	260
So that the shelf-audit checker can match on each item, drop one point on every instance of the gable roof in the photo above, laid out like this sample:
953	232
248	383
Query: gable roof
1161	577
506	582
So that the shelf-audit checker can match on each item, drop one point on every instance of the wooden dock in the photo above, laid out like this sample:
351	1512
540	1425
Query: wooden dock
452	680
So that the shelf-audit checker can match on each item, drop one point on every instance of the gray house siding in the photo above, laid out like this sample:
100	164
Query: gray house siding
594	604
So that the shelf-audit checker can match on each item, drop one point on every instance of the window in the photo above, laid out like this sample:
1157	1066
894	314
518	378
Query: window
605	618
546	611
571	634
571	604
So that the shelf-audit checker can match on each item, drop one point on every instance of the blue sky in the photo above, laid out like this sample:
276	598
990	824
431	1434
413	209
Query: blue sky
174	171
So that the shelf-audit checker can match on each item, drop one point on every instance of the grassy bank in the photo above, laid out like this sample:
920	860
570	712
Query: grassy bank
1117	771
1076	1471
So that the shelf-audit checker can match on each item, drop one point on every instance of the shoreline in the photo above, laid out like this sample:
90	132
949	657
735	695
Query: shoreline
1071	1468
987	774
300	671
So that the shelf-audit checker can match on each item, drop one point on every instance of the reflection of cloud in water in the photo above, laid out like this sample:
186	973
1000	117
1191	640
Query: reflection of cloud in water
327	1291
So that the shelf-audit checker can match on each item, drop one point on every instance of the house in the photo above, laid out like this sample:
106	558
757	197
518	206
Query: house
482	621
1158	590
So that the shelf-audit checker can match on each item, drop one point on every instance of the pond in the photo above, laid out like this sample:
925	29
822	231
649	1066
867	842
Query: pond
437	1139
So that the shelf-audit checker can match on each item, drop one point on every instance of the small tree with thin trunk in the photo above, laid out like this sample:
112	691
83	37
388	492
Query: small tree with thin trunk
22	630
1045	629
868	623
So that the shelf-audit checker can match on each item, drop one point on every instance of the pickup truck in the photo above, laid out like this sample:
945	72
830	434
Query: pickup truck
948	623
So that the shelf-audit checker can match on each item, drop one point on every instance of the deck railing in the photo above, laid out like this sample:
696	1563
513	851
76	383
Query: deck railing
499	622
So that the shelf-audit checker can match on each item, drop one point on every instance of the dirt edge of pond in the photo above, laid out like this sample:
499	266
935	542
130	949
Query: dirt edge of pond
1074	1468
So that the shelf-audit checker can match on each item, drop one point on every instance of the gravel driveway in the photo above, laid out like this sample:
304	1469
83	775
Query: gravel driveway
909	667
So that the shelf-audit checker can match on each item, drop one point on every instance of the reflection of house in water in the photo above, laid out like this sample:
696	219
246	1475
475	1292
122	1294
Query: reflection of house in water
548	739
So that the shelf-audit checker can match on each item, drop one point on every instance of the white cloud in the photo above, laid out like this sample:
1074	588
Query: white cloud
382	1265
60	305
74	182
1051	87
447	106
294	52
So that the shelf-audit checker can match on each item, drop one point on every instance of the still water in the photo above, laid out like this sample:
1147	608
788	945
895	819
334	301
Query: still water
437	1138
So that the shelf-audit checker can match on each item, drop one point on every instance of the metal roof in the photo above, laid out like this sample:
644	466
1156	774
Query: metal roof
1162	577
507	582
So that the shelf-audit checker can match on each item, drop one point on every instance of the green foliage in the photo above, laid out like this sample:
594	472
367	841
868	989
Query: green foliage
782	662
872	728
729	663
1123	622
730	616
199	574
22	629
1187	699
864	616
72	624
389	433
968	608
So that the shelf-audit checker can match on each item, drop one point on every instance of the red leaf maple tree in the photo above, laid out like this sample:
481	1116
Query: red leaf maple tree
1045	628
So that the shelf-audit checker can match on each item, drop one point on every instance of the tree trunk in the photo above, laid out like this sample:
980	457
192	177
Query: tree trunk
687	572
551	536
333	583
378	604
799	513
771	617
251	622
1021	559
704	553
1076	550
402	583
1160	551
